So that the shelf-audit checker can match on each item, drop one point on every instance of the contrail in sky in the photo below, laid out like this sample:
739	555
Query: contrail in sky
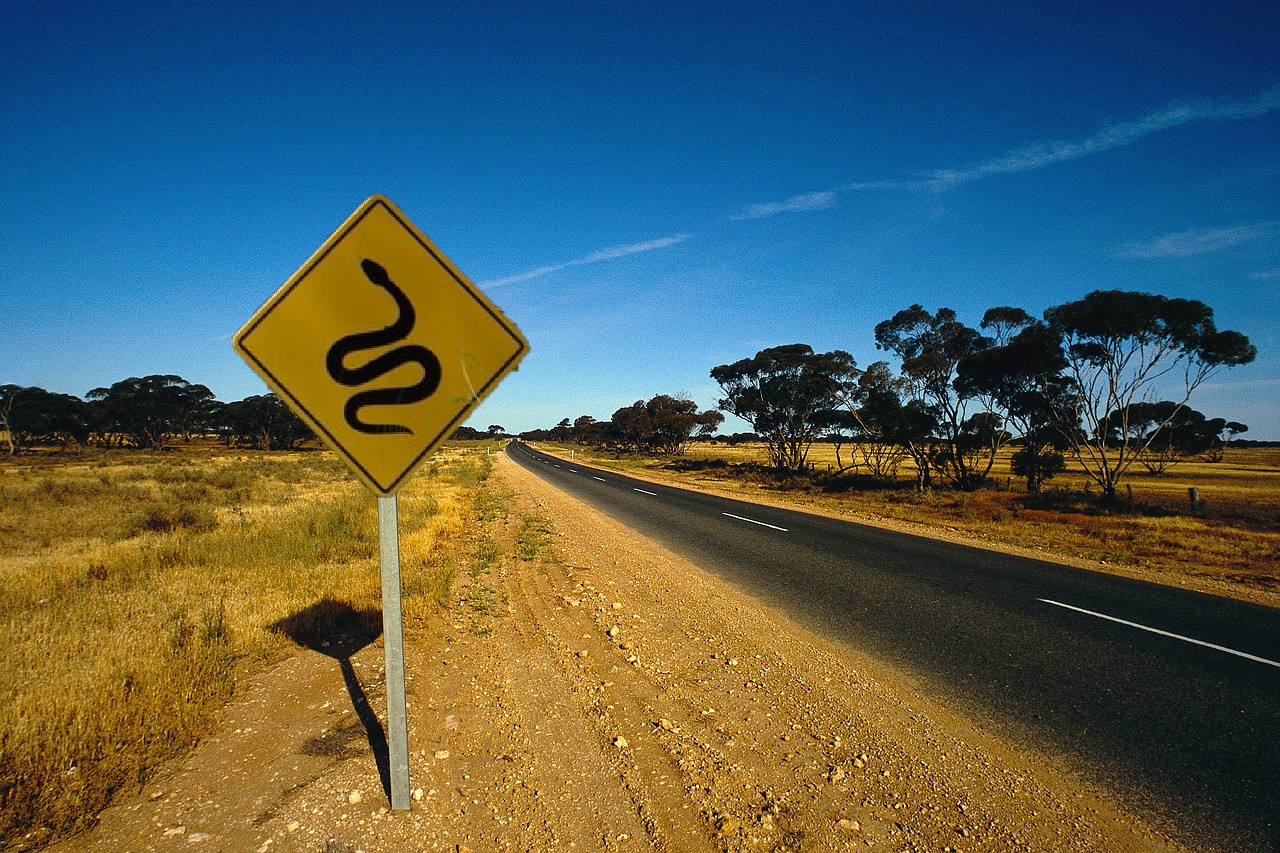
593	258
1041	154
808	201
1186	243
1117	135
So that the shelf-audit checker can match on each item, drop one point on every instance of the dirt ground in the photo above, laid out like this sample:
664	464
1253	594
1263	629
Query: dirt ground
610	696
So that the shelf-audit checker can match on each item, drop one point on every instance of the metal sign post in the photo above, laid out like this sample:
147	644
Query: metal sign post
393	645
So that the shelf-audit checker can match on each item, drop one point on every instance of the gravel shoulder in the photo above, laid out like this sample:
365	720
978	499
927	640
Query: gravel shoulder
607	695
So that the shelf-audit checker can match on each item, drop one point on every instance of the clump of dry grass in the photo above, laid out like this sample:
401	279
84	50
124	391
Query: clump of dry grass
134	587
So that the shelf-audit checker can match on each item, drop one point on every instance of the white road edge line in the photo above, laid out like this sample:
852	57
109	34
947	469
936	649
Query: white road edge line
643	492
1162	633
753	521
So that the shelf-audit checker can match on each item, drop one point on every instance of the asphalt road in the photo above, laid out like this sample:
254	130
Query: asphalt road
1170	699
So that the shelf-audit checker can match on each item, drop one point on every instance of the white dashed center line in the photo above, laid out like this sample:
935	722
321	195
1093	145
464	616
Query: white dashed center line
753	521
643	492
1162	633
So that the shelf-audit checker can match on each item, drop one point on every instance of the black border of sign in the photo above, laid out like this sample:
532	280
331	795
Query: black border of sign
522	346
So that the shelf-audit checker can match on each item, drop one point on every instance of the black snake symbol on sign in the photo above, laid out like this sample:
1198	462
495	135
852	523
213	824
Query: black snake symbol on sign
335	361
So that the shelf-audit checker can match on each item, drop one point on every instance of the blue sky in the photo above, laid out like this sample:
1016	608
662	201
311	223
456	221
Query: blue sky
647	190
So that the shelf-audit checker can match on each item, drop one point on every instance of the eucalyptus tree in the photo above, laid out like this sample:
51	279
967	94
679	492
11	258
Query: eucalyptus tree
664	424
32	415
588	430
150	411
1223	438
263	422
931	348
1122	348
631	427
1020	375
784	393
1170	433
676	421
891	430
839	427
11	397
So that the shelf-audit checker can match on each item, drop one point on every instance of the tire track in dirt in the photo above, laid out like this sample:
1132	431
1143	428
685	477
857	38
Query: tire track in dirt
674	771
569	644
557	708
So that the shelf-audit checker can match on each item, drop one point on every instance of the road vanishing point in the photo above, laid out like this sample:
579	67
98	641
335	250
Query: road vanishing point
1167	698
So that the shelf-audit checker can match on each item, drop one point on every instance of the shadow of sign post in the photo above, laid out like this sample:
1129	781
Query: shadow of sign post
336	629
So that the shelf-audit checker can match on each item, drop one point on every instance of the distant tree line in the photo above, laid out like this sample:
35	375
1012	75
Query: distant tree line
1105	379
149	412
154	412
466	433
663	425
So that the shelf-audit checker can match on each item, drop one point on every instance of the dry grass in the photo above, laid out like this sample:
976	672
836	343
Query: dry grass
134	587
1229	544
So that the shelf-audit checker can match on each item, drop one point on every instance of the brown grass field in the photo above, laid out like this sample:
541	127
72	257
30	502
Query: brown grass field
135	587
1228	545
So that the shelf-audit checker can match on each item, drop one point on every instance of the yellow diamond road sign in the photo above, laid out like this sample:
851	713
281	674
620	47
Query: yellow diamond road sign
381	344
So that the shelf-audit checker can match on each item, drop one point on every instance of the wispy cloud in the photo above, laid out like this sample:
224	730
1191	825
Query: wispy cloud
1030	158
1266	275
1043	154
807	201
869	185
1199	242
594	258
